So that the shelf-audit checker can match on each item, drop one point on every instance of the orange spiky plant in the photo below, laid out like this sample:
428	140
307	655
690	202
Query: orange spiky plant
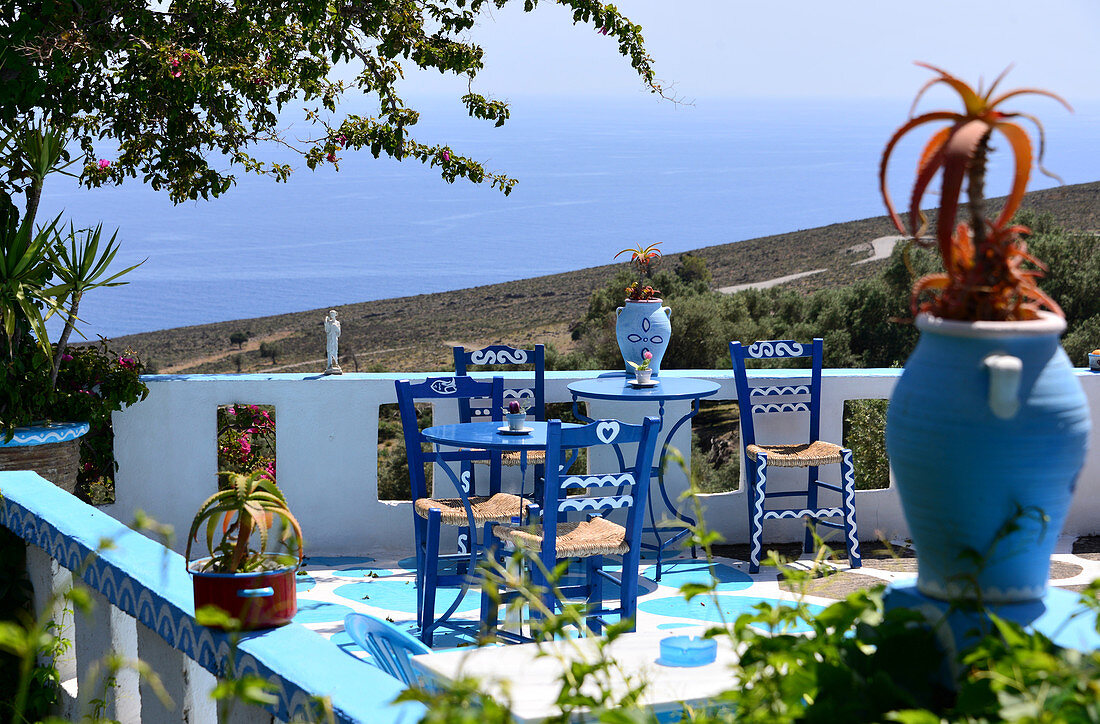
984	274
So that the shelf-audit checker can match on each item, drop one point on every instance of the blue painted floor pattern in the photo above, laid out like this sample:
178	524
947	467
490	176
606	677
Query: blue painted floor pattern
333	587
329	588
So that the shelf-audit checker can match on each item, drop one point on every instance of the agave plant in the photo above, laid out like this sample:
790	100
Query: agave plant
984	274
248	505
644	258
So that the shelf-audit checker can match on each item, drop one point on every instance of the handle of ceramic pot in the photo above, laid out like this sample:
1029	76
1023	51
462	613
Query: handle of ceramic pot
619	311
667	311
256	592
1004	384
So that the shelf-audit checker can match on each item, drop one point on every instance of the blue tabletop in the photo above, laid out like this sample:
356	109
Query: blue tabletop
487	435
618	387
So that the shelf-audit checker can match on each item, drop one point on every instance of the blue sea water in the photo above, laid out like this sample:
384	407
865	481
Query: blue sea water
595	177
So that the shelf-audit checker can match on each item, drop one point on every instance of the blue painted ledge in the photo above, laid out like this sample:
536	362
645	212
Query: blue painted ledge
148	581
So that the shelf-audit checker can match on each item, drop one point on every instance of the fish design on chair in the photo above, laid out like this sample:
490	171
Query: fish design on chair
445	386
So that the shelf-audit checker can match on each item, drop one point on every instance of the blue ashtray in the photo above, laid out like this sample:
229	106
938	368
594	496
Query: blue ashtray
687	651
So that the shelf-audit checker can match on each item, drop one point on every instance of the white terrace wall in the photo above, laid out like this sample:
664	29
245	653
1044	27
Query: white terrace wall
326	439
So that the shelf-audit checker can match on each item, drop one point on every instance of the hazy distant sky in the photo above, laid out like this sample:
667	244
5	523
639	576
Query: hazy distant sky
792	48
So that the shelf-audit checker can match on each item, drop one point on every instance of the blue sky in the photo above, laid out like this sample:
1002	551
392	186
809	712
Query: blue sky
791	48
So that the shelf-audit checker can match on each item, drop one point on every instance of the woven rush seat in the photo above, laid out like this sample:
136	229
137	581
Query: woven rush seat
797	456
512	458
498	508
578	539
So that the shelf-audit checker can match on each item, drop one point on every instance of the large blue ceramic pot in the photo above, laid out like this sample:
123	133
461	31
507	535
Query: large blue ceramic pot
643	326
986	433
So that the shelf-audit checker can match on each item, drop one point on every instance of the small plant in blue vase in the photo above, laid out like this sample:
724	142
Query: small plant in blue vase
515	413
642	372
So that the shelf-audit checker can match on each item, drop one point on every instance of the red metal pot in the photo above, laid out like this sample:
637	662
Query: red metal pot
259	599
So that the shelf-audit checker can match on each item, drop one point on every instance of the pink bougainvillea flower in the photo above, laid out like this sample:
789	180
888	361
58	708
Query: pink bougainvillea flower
104	164
331	157
66	358
446	155
603	31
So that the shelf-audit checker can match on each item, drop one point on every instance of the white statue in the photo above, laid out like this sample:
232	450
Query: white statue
332	342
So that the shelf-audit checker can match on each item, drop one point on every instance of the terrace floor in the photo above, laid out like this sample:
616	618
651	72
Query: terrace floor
332	587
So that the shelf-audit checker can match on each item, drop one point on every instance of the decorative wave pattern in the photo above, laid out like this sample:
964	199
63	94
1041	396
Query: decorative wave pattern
780	407
519	393
209	648
499	356
802	513
848	486
43	435
756	517
597	481
609	503
775	349
779	391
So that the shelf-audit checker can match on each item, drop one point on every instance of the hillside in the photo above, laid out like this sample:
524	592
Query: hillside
416	333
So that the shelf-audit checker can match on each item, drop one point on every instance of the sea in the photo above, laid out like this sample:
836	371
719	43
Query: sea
595	176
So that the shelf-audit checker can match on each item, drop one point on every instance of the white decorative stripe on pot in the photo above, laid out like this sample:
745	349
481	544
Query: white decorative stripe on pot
1047	323
45	434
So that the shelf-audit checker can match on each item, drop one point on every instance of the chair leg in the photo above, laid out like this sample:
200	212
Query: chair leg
420	532
848	505
490	609
811	504
430	576
628	589
594	583
756	511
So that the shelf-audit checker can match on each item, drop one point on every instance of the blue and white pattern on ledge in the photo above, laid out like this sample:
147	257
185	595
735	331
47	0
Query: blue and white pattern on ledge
52	432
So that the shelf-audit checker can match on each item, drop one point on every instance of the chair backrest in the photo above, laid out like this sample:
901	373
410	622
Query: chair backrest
767	398
497	355
603	492
434	389
389	646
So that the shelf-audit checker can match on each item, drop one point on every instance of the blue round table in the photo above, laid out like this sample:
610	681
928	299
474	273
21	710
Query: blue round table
618	388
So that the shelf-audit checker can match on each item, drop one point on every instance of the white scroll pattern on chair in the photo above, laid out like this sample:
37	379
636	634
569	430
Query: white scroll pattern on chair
499	356
781	407
608	503
776	391
779	348
597	481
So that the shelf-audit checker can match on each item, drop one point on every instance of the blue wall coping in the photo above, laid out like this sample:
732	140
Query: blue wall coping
149	582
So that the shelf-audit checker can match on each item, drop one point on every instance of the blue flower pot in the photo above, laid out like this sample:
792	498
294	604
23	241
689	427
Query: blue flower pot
986	433
643	326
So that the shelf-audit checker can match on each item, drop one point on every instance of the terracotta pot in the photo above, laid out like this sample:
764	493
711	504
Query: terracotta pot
259	600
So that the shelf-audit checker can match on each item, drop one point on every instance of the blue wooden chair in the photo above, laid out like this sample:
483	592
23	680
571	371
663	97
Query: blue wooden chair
763	399
466	510
574	526
389	647
534	397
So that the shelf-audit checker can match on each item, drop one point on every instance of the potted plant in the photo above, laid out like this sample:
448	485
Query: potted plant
240	576
987	427
50	393
642	324
642	371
